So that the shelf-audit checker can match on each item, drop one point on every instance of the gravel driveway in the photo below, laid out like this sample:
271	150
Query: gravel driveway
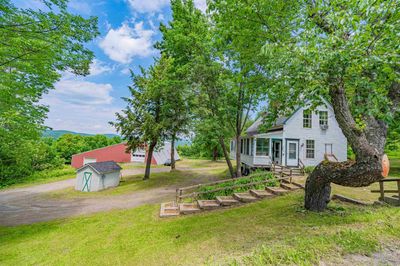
27	205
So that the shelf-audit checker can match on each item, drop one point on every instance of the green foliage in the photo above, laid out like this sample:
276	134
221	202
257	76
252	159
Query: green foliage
309	169
257	176
35	47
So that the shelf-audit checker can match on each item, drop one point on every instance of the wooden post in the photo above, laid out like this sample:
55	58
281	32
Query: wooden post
398	189
382	191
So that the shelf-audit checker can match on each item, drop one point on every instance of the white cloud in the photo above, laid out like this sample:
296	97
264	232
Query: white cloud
98	67
80	6
124	43
83	92
201	4
145	6
81	106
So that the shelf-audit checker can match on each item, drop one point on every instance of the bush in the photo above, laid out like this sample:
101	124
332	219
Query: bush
255	177
309	169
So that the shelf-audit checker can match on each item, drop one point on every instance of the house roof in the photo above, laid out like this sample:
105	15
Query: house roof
102	167
254	128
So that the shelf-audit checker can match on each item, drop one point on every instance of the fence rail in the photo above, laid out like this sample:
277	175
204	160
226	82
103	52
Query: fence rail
180	191
382	189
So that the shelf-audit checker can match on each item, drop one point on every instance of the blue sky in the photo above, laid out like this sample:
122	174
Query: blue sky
128	30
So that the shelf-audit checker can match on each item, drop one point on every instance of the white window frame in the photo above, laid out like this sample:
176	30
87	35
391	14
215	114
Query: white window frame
310	148
323	120
307	118
265	147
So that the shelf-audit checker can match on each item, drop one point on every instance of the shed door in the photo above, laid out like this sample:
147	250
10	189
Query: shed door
88	160
87	181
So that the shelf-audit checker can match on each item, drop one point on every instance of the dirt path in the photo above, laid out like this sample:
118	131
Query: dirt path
27	205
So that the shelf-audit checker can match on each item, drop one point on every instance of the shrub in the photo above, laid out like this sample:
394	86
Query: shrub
309	169
226	189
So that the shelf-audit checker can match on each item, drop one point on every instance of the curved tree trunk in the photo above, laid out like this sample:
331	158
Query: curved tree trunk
368	145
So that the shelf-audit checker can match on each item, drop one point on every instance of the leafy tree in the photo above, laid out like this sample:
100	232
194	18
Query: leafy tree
344	52
188	40
35	47
69	144
144	121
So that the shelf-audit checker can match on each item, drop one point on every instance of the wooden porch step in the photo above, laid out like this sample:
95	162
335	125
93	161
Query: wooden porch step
261	193
169	209
244	197
289	186
227	200
276	190
208	204
189	208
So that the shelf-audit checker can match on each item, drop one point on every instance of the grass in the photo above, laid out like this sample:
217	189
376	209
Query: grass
134	183
275	231
45	176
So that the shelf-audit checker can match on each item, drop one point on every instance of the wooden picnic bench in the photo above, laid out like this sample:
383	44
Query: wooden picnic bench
391	199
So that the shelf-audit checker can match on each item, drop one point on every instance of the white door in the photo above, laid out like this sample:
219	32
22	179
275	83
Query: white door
292	151
88	160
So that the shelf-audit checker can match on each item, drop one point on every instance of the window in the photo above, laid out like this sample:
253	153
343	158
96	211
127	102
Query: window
241	146
310	149
292	151
251	147
323	118
262	147
307	118
248	146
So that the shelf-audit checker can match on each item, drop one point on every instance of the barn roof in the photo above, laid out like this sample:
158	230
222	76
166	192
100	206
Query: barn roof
103	167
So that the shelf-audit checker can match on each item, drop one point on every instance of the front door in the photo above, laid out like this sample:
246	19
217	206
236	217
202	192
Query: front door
292	153
277	151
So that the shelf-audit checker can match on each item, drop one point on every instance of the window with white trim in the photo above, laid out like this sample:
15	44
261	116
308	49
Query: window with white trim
310	149
262	147
323	118
307	118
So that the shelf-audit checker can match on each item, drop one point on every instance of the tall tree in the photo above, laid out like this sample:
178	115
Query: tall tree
144	122
187	39
35	47
346	53
240	54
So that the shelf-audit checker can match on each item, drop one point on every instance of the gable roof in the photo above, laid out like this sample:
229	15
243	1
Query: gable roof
102	167
279	122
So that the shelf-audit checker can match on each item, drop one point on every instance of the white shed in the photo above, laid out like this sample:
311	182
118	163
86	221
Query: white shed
97	176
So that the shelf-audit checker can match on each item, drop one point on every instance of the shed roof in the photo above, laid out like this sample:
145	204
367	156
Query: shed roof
103	167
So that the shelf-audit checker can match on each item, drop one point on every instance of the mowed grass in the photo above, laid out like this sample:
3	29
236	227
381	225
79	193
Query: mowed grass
46	176
134	183
275	231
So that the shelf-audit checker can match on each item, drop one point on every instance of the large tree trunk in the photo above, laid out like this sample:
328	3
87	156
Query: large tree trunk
173	153
227	158
215	154
149	157
368	145
238	163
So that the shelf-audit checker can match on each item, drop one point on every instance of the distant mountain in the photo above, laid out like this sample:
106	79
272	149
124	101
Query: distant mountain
55	134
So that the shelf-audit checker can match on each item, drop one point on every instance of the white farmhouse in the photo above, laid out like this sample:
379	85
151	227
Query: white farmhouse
97	176
302	139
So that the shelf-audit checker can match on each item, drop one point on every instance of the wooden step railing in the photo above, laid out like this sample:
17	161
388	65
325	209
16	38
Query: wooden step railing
190	191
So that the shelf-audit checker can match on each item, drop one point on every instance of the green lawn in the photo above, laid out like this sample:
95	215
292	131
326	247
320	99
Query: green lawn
135	183
275	231
45	176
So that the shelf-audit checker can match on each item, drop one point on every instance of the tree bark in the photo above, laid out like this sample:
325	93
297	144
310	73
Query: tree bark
149	157
368	145
215	154
238	163
227	158
173	153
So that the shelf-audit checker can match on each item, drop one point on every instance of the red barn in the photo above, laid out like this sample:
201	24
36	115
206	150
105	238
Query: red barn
118	154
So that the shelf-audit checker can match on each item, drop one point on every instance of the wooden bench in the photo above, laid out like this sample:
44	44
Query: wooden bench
393	199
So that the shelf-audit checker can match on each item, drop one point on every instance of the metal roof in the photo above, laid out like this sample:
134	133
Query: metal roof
102	167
